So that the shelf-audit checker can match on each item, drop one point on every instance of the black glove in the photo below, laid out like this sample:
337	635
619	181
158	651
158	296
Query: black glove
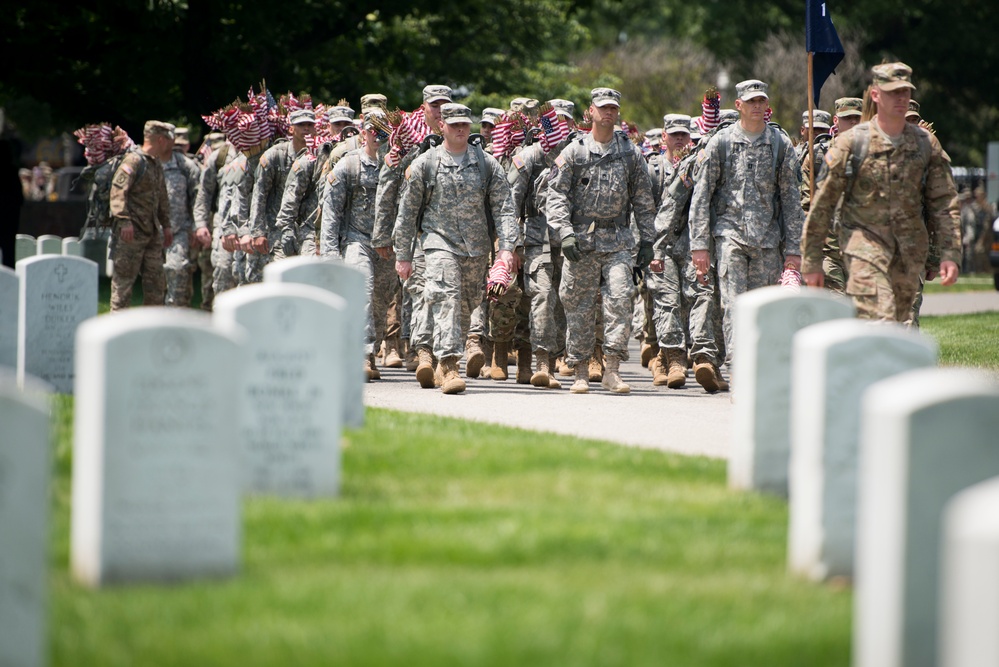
645	254
569	248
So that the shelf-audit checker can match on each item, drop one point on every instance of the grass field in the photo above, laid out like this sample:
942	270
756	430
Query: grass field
966	340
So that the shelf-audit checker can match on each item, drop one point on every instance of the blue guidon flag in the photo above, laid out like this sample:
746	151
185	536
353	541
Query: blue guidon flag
822	40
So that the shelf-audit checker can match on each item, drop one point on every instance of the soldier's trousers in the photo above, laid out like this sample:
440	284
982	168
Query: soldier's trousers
833	266
741	269
179	270
676	291
421	327
883	295
451	283
378	277
537	272
223	274
557	262
143	255
202	259
581	286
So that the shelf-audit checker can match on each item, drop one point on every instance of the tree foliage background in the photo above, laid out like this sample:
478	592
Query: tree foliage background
125	61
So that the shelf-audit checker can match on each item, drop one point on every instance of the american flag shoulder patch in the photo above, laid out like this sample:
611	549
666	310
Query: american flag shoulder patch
702	156
126	168
408	169
829	158
559	162
518	162
263	160
331	178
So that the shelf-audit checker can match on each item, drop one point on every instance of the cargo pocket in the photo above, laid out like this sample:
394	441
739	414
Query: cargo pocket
862	278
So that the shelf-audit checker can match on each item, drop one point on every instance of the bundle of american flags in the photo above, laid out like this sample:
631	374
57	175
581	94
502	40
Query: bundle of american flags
509	133
101	142
554	128
498	281
710	111
248	125
409	130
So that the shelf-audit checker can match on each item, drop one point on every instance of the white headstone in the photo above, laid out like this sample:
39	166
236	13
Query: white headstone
832	364
925	435
969	619
155	455
94	246
24	246
24	535
292	390
765	322
57	294
347	282
9	294
49	244
71	246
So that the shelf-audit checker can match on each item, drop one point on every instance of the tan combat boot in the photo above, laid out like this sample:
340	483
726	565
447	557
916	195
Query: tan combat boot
392	357
659	368
452	382
542	376
582	383
708	375
425	368
500	361
474	357
412	361
487	352
612	377
676	368
649	352
524	364
596	365
563	368
370	370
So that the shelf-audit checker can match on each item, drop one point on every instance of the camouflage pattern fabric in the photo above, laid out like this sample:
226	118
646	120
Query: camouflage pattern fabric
296	218
244	269
182	175
268	189
390	180
741	269
454	286
581	285
355	177
143	255
421	327
378	281
832	258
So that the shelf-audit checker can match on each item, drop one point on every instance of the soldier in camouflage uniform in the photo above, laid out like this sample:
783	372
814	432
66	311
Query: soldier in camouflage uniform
823	123
299	210
884	234
141	215
237	182
390	181
268	189
596	181
451	187
348	218
182	175
212	208
747	201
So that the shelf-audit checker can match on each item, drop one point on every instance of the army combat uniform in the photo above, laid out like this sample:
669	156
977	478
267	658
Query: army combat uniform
206	211
268	189
182	176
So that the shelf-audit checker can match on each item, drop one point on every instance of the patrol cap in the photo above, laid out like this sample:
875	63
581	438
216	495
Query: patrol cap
519	103
913	109
182	135
892	76
375	118
299	116
823	120
605	96
491	115
215	139
434	93
849	106
340	115
726	115
675	123
654	136
453	113
373	100
563	107
751	89
160	128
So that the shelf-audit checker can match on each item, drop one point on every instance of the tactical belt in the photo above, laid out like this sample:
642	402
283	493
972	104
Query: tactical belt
601	223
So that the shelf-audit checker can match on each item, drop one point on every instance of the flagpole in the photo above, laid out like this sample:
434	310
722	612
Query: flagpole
811	132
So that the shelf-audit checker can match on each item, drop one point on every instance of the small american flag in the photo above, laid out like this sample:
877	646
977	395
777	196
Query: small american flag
710	111
555	129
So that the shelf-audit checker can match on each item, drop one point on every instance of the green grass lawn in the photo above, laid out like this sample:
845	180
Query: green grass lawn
966	340
455	543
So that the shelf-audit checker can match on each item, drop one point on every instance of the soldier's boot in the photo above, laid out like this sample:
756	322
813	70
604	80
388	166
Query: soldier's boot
649	352
563	368
524	364
412	361
542	376
582	382
596	365
500	360
425	367
612	377
438	374
452	382
371	369
676	368
474	357
392	357
708	375
659	367
487	353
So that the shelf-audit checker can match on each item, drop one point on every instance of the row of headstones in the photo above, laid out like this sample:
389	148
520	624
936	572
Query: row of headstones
178	416
891	467
93	246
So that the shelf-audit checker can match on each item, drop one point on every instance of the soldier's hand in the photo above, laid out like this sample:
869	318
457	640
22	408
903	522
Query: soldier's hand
260	245
246	243
569	248
167	236
645	254
404	269
510	259
817	279
702	262
385	252
230	243
203	237
657	266
127	233
948	273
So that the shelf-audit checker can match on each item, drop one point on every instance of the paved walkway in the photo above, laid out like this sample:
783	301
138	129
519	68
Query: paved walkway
959	303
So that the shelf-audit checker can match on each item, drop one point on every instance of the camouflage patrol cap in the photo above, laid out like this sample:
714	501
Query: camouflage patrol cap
602	97
452	113
726	115
434	93
892	76
563	107
913	109
849	106
376	118
518	103
751	89
340	115
823	119
373	100
491	115
675	123
160	128
299	116
654	136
